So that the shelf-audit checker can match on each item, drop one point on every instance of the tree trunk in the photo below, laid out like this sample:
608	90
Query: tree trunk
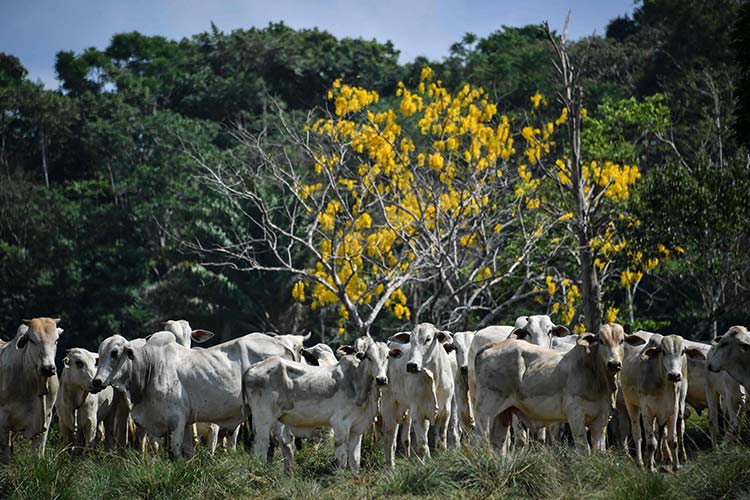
43	140
590	289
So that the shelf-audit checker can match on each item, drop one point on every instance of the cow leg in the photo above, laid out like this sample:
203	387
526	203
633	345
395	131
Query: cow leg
598	430
651	441
262	436
577	425
498	431
712	401
39	443
733	411
442	422
405	432
175	442
354	449
340	443
635	429
88	428
213	438
454	430
520	433
188	441
390	430
421	428
673	440
232	439
66	433
681	438
286	440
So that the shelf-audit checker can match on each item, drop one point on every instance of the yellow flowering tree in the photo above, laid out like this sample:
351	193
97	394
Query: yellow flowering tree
403	204
583	190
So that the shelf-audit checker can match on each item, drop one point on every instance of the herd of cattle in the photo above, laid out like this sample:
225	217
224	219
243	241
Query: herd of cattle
533	377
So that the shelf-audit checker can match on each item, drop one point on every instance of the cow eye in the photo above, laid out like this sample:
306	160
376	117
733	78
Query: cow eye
79	364
114	354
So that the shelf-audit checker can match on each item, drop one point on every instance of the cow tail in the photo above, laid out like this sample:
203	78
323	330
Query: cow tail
247	418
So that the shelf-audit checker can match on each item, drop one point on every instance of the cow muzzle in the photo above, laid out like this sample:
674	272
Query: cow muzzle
47	370
381	380
96	386
614	366
674	377
412	367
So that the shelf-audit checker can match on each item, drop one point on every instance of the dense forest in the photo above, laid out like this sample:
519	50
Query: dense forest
115	215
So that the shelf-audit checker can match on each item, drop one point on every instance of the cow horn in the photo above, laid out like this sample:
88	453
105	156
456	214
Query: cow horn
26	321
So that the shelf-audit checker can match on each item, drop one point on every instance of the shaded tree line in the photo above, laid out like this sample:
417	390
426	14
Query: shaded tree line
104	214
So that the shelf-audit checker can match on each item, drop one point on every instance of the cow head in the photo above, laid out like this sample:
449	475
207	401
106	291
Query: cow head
537	330
461	344
184	333
375	354
424	341
114	353
671	353
39	341
730	352
319	355
80	367
608	345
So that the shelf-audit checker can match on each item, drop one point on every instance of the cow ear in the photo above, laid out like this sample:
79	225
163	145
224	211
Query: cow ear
449	347
395	353
717	339
66	362
560	331
694	353
56	320
634	340
130	353
518	333
401	338
309	357
444	337
22	340
586	339
201	336
360	355
345	350
650	353
60	331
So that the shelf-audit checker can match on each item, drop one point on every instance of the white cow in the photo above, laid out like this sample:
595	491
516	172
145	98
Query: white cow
303	398
394	403
171	387
28	383
429	384
547	386
538	330
80	413
654	386
731	353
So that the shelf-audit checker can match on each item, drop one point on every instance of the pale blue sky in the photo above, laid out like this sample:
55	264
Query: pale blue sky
34	30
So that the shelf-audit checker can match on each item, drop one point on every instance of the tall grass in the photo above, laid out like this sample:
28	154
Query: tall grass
476	471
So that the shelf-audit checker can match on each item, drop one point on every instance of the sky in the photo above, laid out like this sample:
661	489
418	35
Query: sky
35	30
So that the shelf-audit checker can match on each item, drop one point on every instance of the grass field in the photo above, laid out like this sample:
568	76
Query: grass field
474	472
